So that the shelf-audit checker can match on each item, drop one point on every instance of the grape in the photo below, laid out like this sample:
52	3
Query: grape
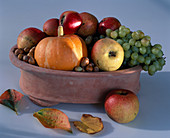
134	55
152	68
147	60
117	30
145	55
159	54
152	56
126	46
88	39
127	54
125	39
145	42
127	30
132	42
141	34
156	64
147	37
161	61
151	73
120	41
122	27
140	59
158	46
138	44
135	49
133	62
142	50
145	68
129	36
160	67
101	36
148	50
108	31
113	34
135	35
155	50
138	49
122	33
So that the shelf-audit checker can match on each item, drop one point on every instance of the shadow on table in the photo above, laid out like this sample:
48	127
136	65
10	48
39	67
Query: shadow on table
27	106
6	132
154	98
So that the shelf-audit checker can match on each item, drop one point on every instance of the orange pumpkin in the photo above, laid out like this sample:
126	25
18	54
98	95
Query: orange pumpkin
60	53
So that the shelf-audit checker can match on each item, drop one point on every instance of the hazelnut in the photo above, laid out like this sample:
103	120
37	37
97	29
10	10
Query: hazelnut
18	51
96	69
89	68
31	52
26	58
14	49
84	61
32	49
20	56
31	60
78	69
92	64
26	49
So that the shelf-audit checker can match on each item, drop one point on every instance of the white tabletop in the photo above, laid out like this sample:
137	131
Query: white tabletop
150	16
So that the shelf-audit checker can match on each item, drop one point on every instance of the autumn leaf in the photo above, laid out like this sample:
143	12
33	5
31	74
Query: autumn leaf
53	118
11	99
89	124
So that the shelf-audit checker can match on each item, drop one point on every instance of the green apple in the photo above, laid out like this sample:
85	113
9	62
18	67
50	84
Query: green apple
107	54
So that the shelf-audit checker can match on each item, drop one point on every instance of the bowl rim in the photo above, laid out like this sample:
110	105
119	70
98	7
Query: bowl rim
36	69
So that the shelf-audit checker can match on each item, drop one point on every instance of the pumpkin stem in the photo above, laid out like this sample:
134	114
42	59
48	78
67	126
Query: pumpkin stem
60	31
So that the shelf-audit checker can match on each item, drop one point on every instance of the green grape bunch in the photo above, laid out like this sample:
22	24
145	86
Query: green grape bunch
138	49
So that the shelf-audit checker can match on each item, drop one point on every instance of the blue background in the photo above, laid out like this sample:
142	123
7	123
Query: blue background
150	16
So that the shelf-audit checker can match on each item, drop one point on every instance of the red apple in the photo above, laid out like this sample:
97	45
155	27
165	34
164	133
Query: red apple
89	24
121	105
50	27
29	37
71	21
108	23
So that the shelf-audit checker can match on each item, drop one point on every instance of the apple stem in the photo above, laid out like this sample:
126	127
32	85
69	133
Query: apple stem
62	19
112	54
60	31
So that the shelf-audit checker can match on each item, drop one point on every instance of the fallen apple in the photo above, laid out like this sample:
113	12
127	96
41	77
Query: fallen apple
50	27
89	25
71	21
107	54
29	37
108	23
121	105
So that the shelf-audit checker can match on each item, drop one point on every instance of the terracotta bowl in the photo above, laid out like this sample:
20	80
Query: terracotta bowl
47	87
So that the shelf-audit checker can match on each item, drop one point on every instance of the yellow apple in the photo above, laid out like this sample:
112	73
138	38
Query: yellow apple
107	54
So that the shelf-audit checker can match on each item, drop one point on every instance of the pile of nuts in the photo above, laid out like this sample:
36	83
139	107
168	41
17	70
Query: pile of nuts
26	54
86	66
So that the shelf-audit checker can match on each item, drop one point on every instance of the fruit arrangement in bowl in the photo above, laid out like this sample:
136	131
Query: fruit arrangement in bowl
77	59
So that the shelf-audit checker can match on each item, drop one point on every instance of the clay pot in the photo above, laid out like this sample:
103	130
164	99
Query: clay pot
47	87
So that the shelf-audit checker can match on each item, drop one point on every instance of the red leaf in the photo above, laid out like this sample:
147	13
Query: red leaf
11	98
53	118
